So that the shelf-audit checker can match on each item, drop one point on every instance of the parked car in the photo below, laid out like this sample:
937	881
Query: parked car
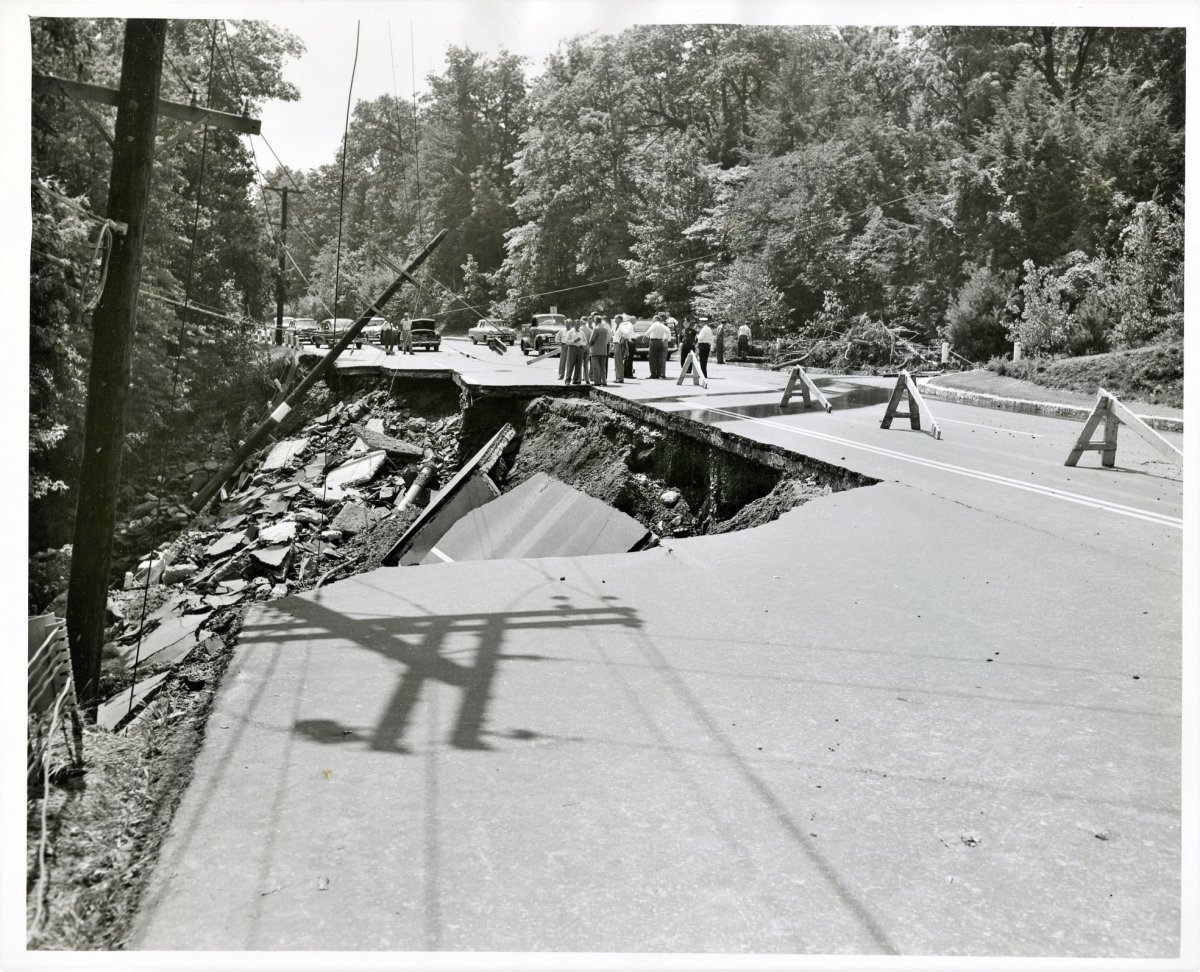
425	335
641	348
305	326
331	331
373	330
542	334
489	330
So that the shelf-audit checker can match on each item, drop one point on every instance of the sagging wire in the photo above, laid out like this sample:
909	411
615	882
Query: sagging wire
187	292
337	271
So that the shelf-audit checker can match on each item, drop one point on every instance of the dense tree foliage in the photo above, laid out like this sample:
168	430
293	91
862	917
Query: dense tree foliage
977	183
195	374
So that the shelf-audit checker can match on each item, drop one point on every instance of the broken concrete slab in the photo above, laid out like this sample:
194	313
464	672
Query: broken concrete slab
231	541
393	446
232	522
175	573
542	517
482	462
283	453
222	600
279	532
232	586
437	518
122	707
272	556
175	636
354	518
275	506
356	471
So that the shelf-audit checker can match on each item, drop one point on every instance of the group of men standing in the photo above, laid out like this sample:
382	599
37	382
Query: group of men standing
585	343
584	346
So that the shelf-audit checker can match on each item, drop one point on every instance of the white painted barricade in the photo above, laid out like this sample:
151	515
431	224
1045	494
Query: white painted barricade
916	405
692	367
808	388
1109	410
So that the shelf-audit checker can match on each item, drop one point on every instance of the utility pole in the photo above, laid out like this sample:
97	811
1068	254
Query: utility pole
281	281
112	354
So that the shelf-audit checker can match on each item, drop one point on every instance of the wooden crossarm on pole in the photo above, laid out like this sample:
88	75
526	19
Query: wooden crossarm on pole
916	405
1109	410
808	388
243	124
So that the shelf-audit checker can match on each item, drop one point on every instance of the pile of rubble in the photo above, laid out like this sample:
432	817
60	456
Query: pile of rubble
288	523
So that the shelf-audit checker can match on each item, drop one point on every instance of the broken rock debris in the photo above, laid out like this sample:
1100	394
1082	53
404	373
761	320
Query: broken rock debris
275	528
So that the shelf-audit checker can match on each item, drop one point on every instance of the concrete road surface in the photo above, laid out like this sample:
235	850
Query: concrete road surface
939	715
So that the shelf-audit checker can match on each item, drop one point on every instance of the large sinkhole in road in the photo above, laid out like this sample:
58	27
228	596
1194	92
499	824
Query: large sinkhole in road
580	475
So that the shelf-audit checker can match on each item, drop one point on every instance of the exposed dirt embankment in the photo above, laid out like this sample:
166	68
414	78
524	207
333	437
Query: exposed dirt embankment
674	485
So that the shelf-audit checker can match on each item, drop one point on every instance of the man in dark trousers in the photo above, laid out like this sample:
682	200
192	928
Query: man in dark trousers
598	348
657	336
704	343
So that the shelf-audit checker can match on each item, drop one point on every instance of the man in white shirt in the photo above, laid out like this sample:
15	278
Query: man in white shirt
573	350
743	341
704	343
585	333
623	344
657	336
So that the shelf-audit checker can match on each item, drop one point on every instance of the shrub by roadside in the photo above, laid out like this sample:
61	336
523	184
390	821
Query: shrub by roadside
1153	374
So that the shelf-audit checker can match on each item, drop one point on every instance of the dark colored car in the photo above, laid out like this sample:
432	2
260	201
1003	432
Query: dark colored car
424	334
331	331
542	335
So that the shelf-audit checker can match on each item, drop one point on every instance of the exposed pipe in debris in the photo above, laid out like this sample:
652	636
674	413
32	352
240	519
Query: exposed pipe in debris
421	480
259	435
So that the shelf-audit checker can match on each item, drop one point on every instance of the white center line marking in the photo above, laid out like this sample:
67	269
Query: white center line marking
1051	491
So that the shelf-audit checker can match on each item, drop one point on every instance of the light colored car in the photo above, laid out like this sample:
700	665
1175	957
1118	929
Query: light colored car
489	330
373	330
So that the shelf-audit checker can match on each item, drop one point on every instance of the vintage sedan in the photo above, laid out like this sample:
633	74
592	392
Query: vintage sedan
373	330
332	330
542	335
425	335
488	330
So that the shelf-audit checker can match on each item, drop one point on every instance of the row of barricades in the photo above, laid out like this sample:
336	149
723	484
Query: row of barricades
1108	411
266	335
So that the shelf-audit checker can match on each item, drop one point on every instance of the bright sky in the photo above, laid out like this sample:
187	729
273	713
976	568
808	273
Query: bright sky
397	33
397	37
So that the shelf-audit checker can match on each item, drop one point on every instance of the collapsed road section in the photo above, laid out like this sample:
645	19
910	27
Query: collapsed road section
379	477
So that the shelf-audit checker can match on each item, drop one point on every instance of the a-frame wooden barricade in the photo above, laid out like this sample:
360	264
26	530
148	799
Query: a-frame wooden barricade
692	367
1109	410
799	379
916	405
